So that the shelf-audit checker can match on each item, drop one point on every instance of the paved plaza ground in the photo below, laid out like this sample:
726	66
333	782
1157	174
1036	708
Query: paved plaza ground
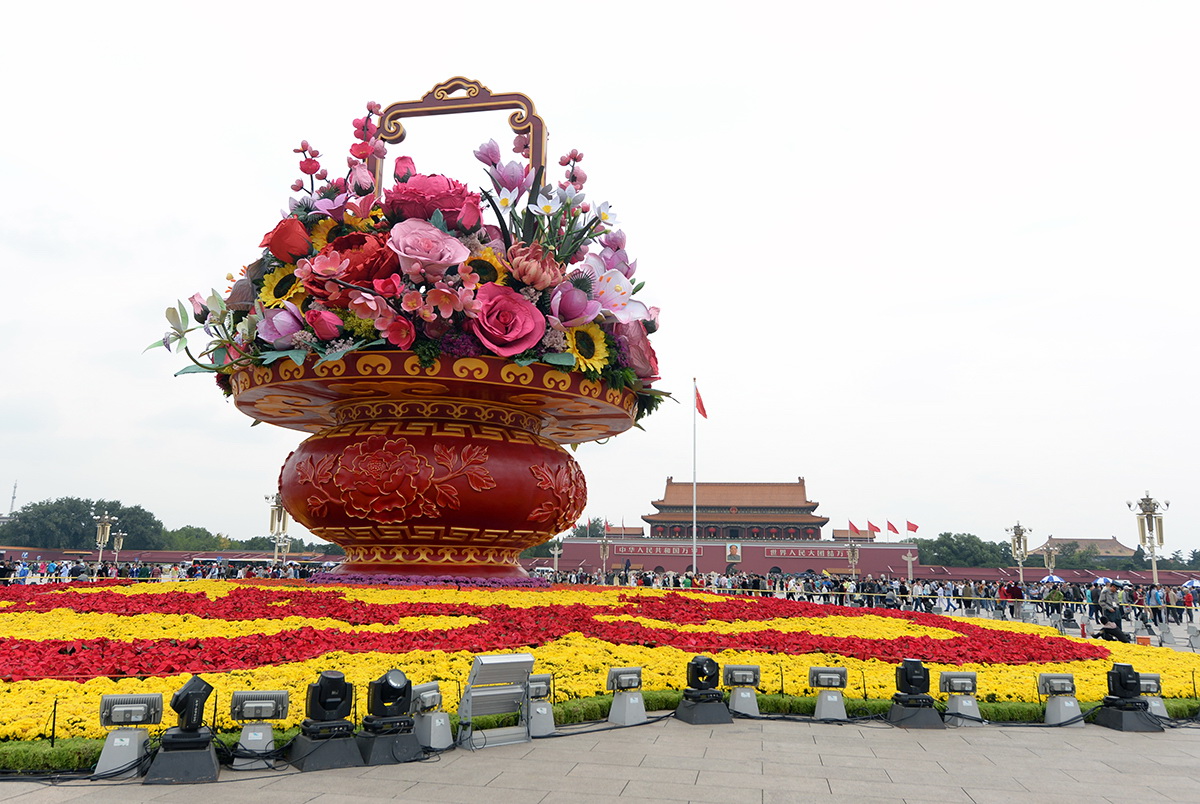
747	762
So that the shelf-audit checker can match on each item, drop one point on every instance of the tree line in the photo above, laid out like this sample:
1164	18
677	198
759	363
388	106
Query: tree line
67	524
968	550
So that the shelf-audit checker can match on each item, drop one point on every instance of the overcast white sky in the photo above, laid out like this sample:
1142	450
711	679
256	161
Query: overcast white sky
938	258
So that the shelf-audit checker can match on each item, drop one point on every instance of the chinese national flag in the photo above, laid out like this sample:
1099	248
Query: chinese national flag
892	528
872	528
911	527
853	529
700	405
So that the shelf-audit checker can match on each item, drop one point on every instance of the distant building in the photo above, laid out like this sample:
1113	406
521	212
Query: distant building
850	536
735	512
621	532
1109	547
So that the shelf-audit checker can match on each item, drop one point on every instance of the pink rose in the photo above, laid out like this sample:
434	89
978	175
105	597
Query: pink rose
642	359
425	251
420	196
327	325
507	323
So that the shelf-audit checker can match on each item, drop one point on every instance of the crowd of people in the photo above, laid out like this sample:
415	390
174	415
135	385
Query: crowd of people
36	571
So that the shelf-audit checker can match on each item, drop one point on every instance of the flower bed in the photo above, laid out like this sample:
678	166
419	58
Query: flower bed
79	642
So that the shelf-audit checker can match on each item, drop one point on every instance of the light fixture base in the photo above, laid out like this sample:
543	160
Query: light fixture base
1127	714
433	730
259	739
914	712
388	749
962	705
744	701
183	765
831	705
703	708
308	754
1063	708
122	749
628	709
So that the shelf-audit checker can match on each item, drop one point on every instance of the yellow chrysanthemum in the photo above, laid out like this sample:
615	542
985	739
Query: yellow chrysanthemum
320	233
489	266
589	347
281	285
359	224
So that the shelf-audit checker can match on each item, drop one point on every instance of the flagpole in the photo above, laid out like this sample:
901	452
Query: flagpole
695	408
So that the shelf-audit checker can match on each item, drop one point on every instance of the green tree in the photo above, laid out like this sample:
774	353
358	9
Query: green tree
592	529
67	524
963	550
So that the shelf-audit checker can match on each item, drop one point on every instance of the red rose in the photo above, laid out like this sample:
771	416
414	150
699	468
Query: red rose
507	322
288	241
421	196
370	259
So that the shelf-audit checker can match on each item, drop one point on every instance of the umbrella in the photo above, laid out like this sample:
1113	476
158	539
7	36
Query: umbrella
1192	582
1102	580
1051	579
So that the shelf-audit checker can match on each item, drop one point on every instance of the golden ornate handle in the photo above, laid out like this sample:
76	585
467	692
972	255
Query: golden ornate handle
477	98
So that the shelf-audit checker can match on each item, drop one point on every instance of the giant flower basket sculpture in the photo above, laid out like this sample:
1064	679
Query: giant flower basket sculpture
439	362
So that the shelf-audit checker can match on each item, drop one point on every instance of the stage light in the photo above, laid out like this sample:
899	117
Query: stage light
496	685
1124	681
702	703
257	738
912	707
743	678
387	733
432	724
538	710
1124	708
327	705
961	707
628	707
829	683
1152	692
125	747
1062	709
186	754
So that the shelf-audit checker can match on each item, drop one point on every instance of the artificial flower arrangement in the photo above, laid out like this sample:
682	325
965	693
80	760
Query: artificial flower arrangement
355	266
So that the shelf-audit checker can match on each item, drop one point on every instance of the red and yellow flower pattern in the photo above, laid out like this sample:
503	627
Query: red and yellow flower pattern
76	642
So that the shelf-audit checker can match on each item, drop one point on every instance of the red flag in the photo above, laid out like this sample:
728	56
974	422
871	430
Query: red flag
872	528
700	404
892	528
911	527
853	529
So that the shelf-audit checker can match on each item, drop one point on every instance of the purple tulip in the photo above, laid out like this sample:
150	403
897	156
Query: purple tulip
571	306
278	326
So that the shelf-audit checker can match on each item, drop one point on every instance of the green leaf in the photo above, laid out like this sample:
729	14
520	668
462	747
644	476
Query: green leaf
559	359
637	287
296	355
524	361
438	220
195	369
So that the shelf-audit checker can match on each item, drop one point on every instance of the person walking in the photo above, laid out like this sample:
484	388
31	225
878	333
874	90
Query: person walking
1109	604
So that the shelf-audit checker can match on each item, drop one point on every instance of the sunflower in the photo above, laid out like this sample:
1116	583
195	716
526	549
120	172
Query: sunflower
589	347
489	266
320	233
281	285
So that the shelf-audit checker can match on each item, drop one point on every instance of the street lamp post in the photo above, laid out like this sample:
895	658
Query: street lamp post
556	551
604	547
852	558
1150	526
1050	553
118	543
279	525
104	523
1020	547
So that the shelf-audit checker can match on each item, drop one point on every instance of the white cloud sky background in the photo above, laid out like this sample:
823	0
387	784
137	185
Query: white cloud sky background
938	258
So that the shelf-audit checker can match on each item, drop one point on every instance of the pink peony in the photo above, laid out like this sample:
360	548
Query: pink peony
642	359
425	251
420	196
506	323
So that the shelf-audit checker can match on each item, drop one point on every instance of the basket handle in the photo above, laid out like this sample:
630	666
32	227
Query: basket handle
478	98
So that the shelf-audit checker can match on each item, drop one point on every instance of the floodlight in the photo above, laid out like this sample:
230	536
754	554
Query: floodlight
1124	708
125	747
1124	681
432	725
326	706
961	709
628	707
254	705
1062	709
827	677
186	752
957	683
1056	684
912	708
702	703
623	678
257	742
539	686
1151	683
742	675
703	673
125	710
497	684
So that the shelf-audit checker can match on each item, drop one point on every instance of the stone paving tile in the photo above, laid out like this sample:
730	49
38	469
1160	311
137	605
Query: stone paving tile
372	786
1080	796
578	784
998	781
946	795
699	763
639	772
733	779
474	774
554	797
687	792
454	794
1173	794
813	797
561	755
116	792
